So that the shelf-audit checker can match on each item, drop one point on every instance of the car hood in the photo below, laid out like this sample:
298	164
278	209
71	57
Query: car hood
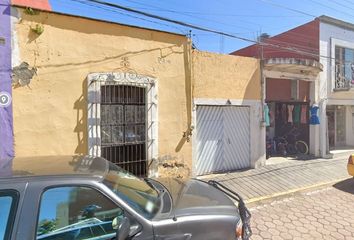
197	197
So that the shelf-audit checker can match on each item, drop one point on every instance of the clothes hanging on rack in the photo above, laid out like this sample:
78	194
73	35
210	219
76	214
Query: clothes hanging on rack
314	118
296	117
266	115
290	113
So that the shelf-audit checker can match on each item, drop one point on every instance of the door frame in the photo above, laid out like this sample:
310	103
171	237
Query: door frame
95	81
332	111
257	128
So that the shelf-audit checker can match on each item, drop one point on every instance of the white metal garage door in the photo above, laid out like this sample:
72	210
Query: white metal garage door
223	138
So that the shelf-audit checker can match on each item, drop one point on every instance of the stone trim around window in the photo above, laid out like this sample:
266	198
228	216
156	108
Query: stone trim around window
95	81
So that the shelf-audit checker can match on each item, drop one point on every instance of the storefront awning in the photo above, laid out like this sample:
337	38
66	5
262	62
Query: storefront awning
292	68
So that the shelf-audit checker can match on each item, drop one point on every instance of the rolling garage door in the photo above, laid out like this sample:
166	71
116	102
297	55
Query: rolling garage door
223	139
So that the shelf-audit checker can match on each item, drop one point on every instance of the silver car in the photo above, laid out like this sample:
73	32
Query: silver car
52	198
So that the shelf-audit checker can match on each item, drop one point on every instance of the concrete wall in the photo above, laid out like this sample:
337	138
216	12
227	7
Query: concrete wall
225	76
280	90
221	80
50	115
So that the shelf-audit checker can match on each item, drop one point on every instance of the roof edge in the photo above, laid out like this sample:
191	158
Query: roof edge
276	35
336	22
37	4
98	20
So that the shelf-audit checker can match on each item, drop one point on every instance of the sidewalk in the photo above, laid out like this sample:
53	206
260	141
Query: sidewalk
283	178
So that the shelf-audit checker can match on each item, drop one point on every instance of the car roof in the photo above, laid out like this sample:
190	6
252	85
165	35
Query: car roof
56	166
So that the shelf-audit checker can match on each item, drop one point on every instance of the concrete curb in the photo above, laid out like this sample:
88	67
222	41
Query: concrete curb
267	197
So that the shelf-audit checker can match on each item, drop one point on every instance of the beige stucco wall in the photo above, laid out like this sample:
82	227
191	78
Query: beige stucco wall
227	80
225	76
50	115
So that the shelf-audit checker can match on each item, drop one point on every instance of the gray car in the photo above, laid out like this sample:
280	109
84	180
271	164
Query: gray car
62	198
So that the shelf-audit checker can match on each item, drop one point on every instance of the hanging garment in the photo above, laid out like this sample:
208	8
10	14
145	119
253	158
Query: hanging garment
290	113
266	115
303	114
314	118
283	113
296	117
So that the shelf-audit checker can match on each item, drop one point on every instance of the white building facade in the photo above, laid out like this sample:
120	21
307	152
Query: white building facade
334	90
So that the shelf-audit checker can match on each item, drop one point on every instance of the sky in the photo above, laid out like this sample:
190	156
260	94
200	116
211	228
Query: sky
243	18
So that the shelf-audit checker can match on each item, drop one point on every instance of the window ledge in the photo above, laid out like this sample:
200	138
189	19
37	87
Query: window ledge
343	89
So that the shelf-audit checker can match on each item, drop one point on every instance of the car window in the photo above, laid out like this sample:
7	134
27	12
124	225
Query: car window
8	202
136	192
73	213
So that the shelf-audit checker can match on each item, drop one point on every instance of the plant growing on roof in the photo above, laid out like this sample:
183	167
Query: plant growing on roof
38	29
31	11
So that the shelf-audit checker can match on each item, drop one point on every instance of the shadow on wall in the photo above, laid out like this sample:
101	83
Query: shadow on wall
80	106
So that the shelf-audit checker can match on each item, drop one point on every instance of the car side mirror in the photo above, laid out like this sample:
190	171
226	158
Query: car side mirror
123	229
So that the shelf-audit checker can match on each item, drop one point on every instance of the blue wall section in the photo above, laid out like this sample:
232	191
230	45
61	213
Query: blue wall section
6	120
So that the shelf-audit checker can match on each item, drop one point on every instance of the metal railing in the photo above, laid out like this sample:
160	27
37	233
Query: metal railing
344	76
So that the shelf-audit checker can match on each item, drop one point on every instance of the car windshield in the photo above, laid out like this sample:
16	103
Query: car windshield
137	193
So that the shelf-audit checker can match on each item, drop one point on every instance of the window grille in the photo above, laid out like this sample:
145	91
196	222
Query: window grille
344	68
123	126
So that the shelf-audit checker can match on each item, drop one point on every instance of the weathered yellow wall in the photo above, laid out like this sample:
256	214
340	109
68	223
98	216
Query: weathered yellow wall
50	115
225	76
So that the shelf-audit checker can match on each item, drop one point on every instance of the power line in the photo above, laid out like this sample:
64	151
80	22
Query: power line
201	28
348	1
329	7
341	4
128	15
192	15
132	1
287	8
220	14
168	20
290	49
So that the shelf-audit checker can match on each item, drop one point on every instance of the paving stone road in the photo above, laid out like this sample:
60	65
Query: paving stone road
323	213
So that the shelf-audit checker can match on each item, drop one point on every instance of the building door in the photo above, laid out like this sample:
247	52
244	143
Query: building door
340	126
331	128
223	139
123	127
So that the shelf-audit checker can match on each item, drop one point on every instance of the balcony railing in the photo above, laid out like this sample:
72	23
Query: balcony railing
344	77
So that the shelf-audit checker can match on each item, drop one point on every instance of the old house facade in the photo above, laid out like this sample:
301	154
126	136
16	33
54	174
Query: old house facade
142	98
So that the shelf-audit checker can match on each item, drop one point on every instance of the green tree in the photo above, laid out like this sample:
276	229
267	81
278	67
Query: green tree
46	226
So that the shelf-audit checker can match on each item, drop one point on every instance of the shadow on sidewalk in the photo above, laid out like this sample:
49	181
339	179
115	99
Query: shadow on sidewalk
345	186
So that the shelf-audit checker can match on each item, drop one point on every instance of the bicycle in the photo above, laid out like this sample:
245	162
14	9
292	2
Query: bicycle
289	145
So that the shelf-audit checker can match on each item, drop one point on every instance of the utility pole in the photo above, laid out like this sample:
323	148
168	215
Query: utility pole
261	57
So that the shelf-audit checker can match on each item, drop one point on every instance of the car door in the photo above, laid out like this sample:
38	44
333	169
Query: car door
9	199
78	212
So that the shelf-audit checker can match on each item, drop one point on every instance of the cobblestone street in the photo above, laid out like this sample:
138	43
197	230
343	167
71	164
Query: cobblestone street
323	213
